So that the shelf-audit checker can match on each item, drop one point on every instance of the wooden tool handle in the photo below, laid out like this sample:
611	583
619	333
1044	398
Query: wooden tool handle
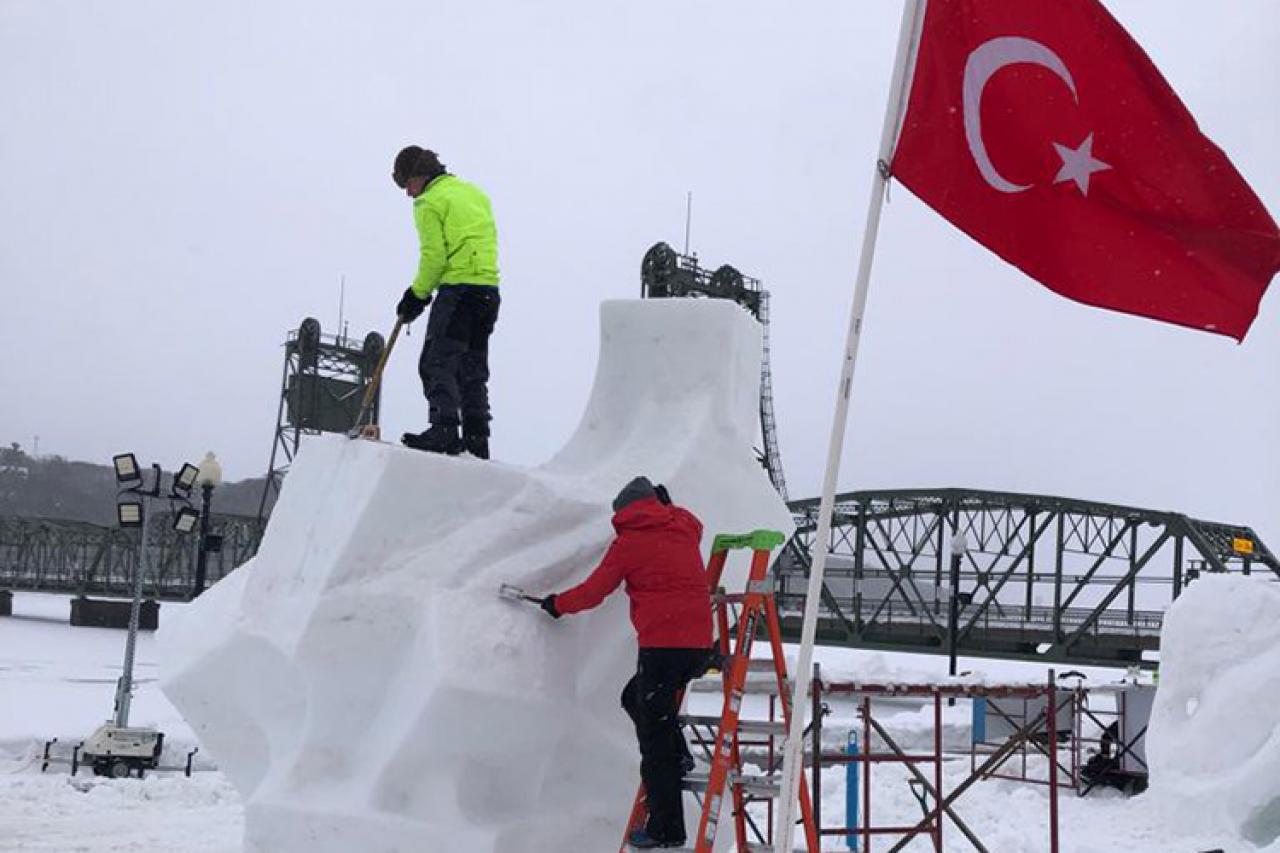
376	379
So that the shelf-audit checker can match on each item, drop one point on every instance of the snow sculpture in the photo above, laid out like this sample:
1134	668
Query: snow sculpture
1214	739
362	684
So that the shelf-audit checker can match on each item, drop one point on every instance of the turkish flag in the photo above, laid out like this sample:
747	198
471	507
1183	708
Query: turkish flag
1043	131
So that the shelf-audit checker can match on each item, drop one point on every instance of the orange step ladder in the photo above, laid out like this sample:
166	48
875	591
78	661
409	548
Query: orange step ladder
756	605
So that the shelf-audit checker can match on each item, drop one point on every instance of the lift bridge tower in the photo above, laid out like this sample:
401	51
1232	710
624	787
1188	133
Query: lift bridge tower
325	377
666	273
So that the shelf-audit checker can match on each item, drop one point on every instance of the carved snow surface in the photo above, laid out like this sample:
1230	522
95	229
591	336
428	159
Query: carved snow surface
362	684
1214	737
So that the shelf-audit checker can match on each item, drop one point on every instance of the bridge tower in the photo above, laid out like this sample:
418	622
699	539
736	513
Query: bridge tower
325	377
665	273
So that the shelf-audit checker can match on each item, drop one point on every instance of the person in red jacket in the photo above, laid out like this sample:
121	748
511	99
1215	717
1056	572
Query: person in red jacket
657	555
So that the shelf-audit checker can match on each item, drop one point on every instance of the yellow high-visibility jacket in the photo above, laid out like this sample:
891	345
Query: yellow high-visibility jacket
458	235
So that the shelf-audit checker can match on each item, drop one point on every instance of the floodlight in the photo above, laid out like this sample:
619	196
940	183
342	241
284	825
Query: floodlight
186	519
185	479
129	513
127	473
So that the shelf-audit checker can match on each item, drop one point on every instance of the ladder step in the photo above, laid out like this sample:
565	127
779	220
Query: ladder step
733	597
762	786
752	727
696	782
756	665
754	686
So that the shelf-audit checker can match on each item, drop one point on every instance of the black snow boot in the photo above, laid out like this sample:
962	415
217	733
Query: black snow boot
475	438
440	438
640	839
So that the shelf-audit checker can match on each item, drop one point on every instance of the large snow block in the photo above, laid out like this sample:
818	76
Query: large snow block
360	681
1213	745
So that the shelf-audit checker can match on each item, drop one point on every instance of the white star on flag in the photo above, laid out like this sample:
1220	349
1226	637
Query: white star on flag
1078	164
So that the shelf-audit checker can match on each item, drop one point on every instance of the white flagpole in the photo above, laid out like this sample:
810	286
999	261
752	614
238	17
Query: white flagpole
792	764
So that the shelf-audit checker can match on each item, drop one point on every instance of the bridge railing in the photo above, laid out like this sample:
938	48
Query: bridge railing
1037	620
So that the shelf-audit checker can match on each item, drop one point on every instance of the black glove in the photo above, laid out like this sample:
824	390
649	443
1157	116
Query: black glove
411	307
549	604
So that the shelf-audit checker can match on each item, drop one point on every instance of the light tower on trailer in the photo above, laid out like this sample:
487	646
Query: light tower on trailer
116	749
666	273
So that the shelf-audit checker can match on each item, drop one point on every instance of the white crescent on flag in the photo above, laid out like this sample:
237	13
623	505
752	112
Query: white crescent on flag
985	60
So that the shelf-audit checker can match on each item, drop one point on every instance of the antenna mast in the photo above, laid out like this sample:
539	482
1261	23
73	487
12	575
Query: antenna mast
688	219
342	300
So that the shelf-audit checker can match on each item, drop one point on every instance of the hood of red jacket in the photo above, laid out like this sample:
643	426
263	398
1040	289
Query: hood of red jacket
646	512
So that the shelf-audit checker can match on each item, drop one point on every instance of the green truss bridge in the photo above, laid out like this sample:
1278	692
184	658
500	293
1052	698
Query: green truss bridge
1044	578
79	558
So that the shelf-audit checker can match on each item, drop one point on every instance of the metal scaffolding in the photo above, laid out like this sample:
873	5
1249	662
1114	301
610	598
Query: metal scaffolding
1038	729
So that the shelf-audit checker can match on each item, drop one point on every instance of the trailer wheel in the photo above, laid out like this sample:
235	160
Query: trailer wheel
119	769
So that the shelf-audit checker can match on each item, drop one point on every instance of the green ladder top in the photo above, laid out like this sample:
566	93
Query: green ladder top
756	540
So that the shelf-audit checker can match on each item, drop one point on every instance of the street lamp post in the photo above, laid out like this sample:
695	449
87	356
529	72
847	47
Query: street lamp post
208	479
959	547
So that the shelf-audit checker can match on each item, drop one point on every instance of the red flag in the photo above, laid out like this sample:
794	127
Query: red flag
1043	131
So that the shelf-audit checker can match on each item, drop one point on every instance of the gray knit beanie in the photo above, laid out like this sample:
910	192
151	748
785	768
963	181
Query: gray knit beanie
637	490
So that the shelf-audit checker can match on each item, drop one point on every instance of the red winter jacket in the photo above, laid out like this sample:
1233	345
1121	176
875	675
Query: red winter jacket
658	554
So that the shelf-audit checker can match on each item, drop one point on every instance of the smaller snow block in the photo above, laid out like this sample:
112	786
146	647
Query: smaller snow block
1213	745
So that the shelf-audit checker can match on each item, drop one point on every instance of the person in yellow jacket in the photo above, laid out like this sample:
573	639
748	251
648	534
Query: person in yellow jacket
458	277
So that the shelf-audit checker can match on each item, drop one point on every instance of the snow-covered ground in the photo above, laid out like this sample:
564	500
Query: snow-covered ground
57	680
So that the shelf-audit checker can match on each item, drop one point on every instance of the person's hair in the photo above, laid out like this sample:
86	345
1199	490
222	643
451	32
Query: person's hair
416	162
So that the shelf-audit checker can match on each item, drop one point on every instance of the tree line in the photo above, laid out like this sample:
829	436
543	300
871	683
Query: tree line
58	488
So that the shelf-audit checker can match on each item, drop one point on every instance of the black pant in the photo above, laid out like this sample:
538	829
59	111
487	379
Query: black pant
650	699
455	356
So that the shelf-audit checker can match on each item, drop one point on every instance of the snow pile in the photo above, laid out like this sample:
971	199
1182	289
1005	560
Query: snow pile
1214	739
360	682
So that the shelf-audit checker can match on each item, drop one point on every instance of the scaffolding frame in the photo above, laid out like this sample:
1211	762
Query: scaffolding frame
933	821
1068	775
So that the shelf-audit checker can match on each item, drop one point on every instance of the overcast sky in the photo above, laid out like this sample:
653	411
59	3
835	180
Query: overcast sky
181	183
